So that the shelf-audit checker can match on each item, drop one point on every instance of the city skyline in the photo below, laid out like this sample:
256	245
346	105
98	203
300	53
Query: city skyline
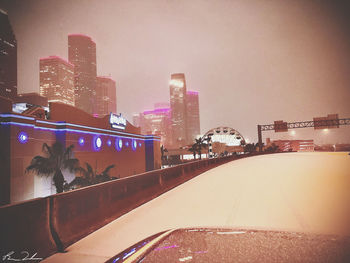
242	58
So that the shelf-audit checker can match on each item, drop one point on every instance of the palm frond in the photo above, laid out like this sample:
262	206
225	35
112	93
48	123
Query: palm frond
90	170
106	171
79	182
68	152
47	150
41	165
71	164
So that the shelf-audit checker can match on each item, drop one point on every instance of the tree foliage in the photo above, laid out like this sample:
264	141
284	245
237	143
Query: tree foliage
90	177
56	158
198	146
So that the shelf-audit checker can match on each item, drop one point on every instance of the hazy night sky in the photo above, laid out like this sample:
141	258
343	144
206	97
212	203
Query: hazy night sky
252	61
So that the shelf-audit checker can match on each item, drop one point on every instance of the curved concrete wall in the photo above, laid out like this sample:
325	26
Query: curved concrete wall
26	227
36	225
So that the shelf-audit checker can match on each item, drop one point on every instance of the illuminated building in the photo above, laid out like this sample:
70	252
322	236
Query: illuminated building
8	58
106	98
193	123
157	122
178	109
100	142
57	80
136	120
292	145
82	54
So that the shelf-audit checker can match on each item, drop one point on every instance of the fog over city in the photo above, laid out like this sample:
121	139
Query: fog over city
252	62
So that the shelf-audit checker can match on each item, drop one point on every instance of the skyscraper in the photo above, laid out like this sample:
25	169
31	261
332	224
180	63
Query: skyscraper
57	80
106	98
193	124
8	58
82	54
178	109
157	122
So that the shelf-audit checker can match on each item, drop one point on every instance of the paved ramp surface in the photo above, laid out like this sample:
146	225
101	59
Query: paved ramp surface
307	192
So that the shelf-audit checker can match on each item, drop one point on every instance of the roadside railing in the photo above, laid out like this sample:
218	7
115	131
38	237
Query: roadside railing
49	225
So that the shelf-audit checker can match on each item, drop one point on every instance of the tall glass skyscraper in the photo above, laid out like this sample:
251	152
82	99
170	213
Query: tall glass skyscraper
57	80
106	98
193	123
157	122
8	58
82	54
178	109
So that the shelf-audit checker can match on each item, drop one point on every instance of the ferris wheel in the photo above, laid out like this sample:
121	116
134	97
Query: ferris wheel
224	135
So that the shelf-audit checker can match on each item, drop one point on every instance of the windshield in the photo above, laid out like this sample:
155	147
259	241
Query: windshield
228	245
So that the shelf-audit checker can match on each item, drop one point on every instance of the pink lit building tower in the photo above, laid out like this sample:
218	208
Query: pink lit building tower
178	109
193	123
57	80
157	122
82	54
106	98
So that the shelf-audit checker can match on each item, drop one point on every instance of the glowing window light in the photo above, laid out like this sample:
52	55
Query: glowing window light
23	137
81	141
127	144
109	142
140	144
176	83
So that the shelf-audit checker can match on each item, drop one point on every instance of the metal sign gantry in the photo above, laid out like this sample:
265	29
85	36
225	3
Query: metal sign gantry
335	123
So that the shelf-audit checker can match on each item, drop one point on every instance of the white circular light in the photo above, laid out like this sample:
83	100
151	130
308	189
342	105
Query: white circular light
98	142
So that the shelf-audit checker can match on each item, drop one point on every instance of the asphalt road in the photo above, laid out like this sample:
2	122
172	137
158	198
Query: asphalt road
303	192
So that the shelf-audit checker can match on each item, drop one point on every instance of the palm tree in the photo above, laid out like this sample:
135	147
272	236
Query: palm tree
162	151
56	158
199	144
193	150
104	176
91	177
272	148
250	147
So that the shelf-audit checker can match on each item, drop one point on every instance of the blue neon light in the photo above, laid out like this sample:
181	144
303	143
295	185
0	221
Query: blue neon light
145	137
17	116
140	144
22	137
97	143
127	144
109	142
81	141
134	145
118	144
63	123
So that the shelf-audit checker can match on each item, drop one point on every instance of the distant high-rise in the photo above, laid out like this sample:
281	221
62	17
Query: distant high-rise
106	98
57	80
82	54
136	120
157	122
193	123
178	109
8	58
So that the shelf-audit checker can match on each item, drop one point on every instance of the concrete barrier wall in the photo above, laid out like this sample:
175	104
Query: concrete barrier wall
26	227
65	218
